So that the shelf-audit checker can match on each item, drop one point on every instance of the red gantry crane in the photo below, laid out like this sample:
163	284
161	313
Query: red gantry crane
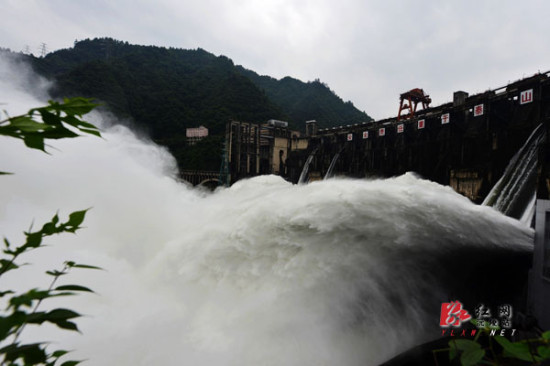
414	97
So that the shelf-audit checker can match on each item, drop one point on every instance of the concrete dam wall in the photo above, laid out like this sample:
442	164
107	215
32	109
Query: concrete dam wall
466	144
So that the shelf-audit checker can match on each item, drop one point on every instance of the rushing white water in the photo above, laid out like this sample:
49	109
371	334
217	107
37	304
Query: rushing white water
331	166
303	175
337	272
514	193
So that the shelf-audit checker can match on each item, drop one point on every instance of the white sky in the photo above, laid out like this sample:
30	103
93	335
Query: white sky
367	51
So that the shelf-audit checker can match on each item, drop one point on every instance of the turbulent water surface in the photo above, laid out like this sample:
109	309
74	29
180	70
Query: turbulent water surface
338	272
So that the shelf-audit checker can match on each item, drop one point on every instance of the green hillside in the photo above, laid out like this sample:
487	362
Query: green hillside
166	90
303	101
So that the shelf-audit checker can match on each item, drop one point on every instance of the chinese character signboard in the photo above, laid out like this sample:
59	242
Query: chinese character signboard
382	132
445	118
365	134
526	96
478	110
400	128
350	136
421	124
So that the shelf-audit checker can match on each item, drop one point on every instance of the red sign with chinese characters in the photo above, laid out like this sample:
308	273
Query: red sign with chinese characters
421	124
478	110
400	128
445	118
382	132
350	136
526	96
365	134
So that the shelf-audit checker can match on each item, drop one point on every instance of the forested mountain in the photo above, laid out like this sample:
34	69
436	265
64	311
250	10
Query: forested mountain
300	101
166	90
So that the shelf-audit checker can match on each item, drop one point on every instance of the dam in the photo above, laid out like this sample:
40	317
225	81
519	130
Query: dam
466	143
474	144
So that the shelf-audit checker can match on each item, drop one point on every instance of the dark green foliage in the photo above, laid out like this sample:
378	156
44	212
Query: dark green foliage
304	101
498	350
205	155
166	90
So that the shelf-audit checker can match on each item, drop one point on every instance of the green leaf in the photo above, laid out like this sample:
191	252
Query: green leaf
544	352
9	324
76	218
27	298
78	106
516	350
86	266
73	288
472	357
34	142
49	229
59	353
33	240
90	131
7	265
25	124
64	324
464	344
37	317
62	314
58	317
31	354
49	118
58	133
546	335
452	353
70	363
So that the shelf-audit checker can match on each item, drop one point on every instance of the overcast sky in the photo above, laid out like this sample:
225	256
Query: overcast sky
367	51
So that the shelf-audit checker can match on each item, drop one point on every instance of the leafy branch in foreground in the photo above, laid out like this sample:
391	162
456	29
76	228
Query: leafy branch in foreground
54	121
50	122
23	309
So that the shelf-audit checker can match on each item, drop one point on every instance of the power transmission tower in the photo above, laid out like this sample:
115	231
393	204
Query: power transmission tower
43	50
